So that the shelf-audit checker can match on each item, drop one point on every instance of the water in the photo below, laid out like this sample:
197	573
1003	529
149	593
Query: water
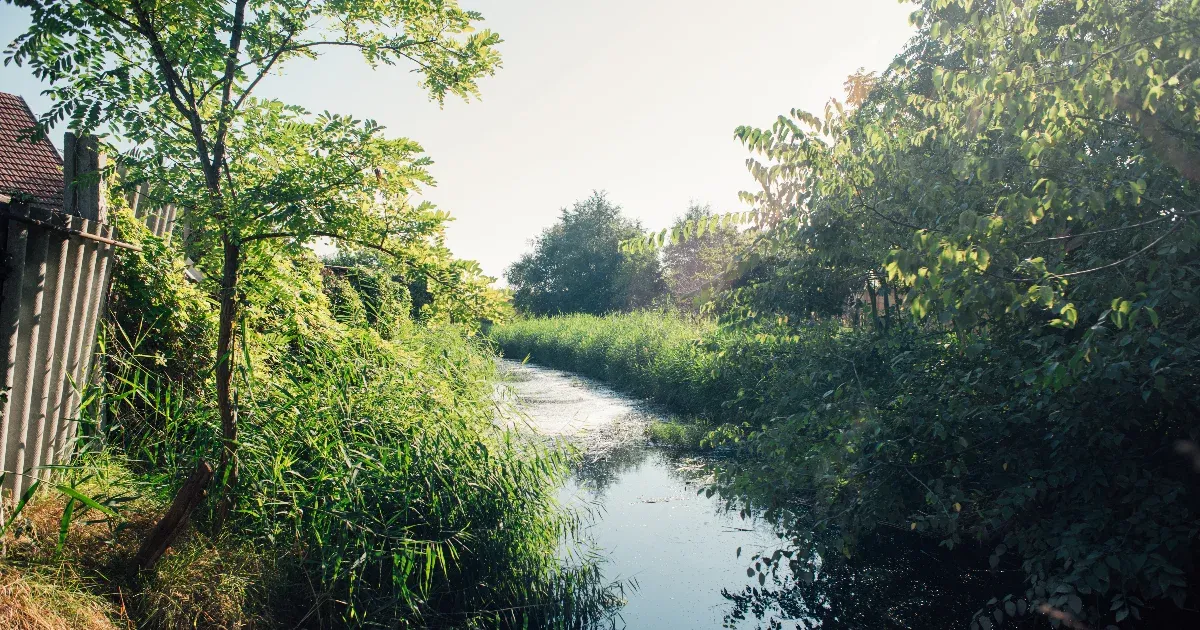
678	547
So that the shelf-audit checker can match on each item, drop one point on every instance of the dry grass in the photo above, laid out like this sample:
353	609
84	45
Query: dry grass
31	601
45	588
88	585
203	585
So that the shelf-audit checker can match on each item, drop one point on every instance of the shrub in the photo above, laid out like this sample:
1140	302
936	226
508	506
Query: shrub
843	432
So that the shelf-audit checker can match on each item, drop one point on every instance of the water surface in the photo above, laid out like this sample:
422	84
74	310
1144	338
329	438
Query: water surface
678	548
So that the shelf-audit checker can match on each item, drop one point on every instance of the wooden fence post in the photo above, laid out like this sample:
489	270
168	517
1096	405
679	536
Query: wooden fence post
83	178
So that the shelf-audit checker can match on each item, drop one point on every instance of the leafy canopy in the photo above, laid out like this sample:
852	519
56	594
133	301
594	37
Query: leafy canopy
1022	185
577	265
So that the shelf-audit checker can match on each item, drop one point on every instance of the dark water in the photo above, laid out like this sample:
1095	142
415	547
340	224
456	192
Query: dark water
685	554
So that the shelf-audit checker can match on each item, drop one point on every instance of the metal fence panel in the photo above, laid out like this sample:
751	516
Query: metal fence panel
55	285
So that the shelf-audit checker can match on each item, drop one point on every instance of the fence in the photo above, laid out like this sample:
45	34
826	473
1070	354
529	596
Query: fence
160	220
57	267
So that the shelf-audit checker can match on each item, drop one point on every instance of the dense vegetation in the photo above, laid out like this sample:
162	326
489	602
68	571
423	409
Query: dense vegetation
347	404
371	469
375	486
576	265
968	308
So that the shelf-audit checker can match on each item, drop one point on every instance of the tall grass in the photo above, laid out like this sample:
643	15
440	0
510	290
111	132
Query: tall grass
375	481
375	486
648	354
687	364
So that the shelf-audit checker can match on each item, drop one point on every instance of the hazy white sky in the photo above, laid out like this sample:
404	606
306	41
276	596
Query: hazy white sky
636	97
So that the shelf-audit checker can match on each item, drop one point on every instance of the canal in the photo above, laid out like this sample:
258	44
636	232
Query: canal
645	508
689	558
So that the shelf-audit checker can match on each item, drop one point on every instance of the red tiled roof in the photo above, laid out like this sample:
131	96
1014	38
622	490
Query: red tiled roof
34	168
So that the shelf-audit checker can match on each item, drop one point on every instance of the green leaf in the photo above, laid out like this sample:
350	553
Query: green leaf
25	497
64	524
86	500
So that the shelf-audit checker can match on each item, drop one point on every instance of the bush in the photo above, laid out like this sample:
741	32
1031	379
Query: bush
844	432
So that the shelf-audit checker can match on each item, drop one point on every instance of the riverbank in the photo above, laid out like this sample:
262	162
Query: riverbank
844	435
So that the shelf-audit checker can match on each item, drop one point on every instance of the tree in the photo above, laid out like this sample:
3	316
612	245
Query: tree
577	265
694	265
176	80
1024	177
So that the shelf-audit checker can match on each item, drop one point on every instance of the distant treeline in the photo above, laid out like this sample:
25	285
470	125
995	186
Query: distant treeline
578	265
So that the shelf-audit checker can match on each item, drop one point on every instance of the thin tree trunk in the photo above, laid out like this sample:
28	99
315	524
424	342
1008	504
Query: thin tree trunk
172	524
874	306
227	472
887	306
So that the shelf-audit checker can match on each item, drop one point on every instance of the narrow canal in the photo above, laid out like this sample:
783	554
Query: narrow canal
647	513
686	558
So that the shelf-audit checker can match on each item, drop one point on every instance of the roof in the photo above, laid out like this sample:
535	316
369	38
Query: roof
34	168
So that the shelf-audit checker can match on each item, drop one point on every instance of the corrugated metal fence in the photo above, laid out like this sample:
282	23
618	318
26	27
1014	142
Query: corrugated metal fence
160	219
53	295
57	265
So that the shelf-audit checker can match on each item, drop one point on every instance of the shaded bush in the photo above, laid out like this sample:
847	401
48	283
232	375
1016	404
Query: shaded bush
845	431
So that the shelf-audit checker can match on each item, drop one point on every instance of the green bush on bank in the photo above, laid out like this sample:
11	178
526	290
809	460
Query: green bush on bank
843	432
374	486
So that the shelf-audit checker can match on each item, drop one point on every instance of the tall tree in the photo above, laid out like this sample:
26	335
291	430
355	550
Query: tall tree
578	266
699	261
176	80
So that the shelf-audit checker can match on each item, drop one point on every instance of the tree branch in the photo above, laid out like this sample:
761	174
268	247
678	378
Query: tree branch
338	237
174	89
1125	259
1110	230
225	114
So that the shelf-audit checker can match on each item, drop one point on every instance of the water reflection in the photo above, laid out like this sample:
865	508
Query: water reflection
701	559
658	528
893	581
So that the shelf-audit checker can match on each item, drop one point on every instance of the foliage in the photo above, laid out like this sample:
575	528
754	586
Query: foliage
175	82
1024	178
576	265
171	322
397	491
429	285
695	266
376	488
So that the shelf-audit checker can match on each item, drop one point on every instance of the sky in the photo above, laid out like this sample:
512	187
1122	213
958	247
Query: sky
639	98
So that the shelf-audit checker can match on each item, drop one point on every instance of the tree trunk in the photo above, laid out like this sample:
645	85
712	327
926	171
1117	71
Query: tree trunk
176	519
227	472
887	306
874	307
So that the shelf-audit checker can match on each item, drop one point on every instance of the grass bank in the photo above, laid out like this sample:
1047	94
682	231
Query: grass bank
661	357
374	487
842	433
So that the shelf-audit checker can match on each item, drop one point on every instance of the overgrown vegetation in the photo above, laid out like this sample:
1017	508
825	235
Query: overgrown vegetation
347	404
576	265
967	310
375	488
